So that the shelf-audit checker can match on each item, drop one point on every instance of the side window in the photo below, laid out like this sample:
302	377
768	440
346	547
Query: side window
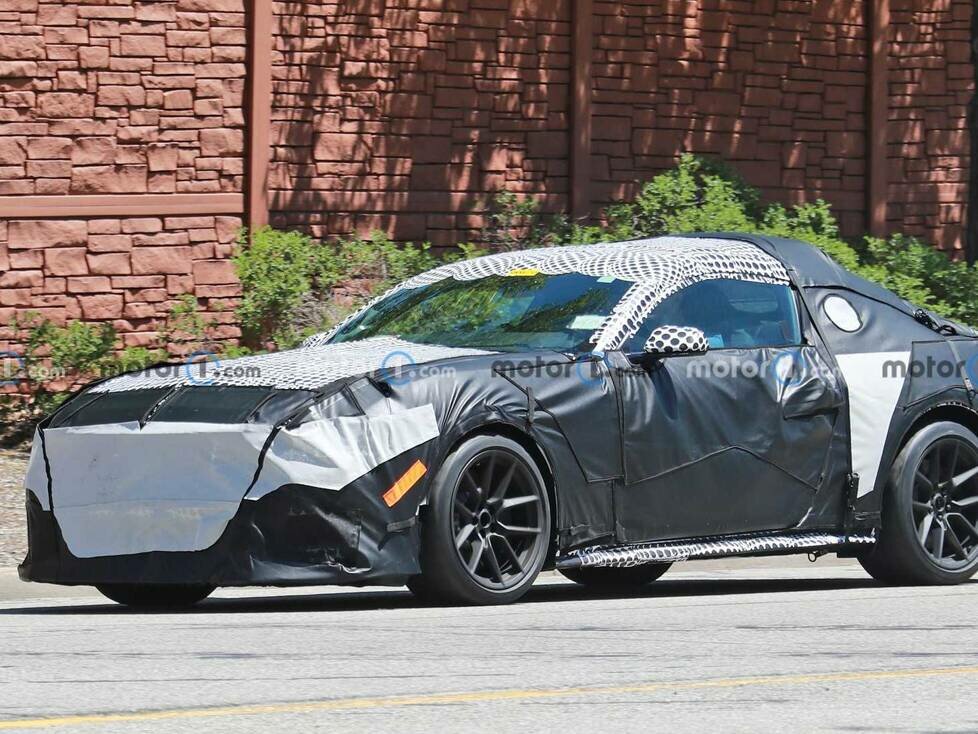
734	314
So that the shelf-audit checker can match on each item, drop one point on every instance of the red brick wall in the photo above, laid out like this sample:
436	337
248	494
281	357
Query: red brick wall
119	97
406	114
395	116
775	88
931	83
127	271
403	115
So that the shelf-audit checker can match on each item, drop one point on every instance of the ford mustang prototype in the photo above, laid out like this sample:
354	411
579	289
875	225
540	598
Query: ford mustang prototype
605	410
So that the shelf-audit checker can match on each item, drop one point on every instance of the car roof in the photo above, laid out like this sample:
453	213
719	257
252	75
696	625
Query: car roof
657	267
639	261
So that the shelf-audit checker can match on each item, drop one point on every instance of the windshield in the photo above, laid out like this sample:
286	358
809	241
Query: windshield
522	310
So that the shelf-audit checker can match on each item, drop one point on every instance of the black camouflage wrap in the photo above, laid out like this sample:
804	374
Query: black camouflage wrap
637	450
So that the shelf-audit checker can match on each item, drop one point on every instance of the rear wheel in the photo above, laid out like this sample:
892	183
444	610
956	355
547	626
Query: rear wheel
930	513
487	528
617	578
155	596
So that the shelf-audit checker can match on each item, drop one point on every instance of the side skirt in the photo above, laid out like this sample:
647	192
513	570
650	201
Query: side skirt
752	544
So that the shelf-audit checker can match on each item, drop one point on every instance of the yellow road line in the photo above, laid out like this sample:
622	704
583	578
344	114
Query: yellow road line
429	699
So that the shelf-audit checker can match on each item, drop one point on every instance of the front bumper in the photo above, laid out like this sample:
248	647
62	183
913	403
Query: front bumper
294	536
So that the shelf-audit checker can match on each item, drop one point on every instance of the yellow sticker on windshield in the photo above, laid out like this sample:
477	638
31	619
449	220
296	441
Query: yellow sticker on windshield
523	272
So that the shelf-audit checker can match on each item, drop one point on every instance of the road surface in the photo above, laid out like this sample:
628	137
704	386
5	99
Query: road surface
741	646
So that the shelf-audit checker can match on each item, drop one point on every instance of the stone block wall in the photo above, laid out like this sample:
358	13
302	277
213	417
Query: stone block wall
777	89
402	115
128	271
405	115
932	81
119	97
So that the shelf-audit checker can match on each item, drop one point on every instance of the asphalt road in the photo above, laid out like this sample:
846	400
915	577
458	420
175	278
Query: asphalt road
726	647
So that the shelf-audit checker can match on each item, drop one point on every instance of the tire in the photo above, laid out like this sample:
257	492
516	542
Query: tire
911	549
464	525
616	578
155	596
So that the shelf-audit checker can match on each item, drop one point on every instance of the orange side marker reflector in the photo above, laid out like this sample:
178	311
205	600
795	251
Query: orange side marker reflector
408	479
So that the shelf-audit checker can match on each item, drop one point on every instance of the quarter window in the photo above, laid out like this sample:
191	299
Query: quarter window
734	314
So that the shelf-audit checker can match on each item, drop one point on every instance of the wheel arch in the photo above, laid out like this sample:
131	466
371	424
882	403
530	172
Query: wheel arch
536	452
949	410
910	424
953	411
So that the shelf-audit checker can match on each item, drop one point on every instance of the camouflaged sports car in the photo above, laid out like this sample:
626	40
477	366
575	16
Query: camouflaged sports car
604	409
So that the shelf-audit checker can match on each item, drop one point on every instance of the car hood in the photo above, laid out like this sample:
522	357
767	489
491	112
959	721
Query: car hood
305	368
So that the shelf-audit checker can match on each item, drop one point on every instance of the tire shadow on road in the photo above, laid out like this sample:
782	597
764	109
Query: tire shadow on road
372	600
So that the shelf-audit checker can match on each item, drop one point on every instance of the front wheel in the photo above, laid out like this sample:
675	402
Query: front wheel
486	532
155	596
930	512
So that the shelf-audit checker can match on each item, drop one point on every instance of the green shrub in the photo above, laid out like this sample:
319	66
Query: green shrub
57	360
695	196
275	269
924	276
375	260
703	196
293	285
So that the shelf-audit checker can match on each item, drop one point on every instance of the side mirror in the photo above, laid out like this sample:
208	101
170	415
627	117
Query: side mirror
671	341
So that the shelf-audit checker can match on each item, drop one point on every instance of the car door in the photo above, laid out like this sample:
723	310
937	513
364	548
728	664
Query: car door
733	440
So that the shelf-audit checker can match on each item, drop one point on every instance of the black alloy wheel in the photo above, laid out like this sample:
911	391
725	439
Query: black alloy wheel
496	519
929	531
945	502
487	530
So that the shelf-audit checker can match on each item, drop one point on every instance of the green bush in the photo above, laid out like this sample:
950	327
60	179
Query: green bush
276	270
924	276
699	195
293	285
57	360
696	196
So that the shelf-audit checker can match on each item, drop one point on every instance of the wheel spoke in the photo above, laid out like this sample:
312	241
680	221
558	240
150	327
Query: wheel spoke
511	553
954	459
460	506
924	529
934	470
518	529
966	502
921	477
473	562
493	561
939	546
464	534
487	473
472	485
921	506
964	477
499	492
968	525
517	501
956	542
